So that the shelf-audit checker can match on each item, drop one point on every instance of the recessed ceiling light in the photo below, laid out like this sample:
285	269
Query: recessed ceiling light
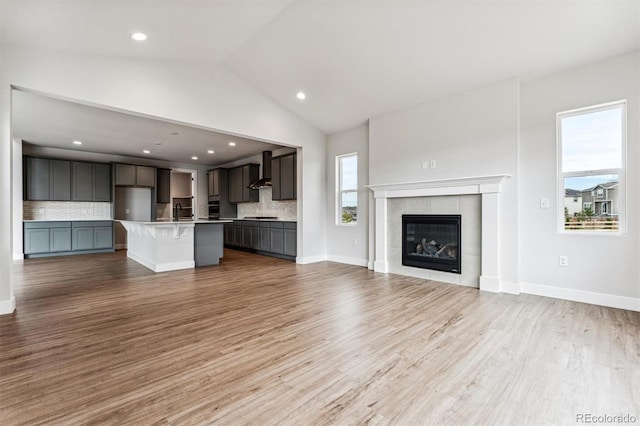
77	143
301	96
146	151
210	151
138	36
173	133
194	158
232	144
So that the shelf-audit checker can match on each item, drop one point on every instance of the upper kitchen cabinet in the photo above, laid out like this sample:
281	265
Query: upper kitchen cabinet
47	180
91	181
164	186
283	177
239	180
131	175
214	182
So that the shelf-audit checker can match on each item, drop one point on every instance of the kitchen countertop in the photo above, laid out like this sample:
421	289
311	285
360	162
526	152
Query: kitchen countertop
67	220
176	222
261	220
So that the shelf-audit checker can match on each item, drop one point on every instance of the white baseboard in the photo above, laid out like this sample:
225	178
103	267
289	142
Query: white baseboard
602	299
347	260
7	306
491	284
311	259
161	267
18	258
380	266
509	288
370	265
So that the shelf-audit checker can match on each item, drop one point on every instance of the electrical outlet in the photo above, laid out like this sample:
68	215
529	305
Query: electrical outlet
355	241
563	261
41	210
433	164
425	164
164	232
544	203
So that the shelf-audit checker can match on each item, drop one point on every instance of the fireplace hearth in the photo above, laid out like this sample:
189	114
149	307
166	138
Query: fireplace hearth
432	242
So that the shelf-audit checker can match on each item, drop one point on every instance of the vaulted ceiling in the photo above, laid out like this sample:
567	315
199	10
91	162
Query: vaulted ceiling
355	59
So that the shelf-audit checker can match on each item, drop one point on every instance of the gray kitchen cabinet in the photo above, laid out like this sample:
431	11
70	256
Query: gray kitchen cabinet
82	238
82	183
36	178
131	175
92	235
270	238
146	176
239	180
265	239
101	182
36	240
125	174
47	238
91	181
235	185
60	180
276	236
283	177
290	238
103	237
208	244
214	183
164	186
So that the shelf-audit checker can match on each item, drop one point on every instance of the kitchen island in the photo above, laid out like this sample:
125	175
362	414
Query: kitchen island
171	245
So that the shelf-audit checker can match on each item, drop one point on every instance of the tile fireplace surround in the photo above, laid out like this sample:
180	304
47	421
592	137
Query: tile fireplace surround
488	187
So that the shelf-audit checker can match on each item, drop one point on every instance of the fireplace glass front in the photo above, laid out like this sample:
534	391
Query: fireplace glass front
432	242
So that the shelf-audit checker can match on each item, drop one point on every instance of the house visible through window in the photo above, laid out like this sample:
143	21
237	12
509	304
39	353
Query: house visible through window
347	189
591	164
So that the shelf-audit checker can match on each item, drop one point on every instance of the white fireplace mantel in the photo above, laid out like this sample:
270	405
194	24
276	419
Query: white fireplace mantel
487	186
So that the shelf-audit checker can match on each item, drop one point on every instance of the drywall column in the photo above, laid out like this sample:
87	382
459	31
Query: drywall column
7	300
490	269
381	263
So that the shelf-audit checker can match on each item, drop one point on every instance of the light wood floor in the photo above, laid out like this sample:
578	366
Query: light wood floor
100	339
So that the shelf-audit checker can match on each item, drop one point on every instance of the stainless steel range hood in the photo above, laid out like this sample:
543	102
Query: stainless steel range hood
266	172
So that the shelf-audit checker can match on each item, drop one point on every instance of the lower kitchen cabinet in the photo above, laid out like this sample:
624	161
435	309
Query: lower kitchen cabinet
270	238
56	238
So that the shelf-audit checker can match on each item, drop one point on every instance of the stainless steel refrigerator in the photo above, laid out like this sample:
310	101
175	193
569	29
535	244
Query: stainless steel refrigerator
130	204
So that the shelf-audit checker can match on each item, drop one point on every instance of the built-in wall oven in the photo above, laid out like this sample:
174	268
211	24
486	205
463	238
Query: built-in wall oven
214	209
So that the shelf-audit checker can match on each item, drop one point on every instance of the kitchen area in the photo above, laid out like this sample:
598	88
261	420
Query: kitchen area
75	207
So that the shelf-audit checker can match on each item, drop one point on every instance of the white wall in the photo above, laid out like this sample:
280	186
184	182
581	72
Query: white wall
7	300
470	134
348	244
201	94
607	265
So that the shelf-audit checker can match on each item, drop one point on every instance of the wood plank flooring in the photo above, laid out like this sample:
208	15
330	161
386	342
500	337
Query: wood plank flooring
99	339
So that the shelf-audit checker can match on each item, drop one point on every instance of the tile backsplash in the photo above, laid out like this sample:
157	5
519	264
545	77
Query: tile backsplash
284	210
65	210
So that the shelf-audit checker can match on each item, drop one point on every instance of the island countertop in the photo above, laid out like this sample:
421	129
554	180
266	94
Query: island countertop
176	222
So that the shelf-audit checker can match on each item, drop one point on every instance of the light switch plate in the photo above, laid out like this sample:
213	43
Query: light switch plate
544	203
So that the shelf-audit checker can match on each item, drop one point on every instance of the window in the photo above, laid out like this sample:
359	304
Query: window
347	189
591	161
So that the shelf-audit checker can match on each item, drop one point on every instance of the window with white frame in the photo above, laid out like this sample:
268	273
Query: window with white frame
347	189
591	161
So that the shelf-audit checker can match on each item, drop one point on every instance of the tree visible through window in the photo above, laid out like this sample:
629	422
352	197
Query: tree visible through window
591	158
347	183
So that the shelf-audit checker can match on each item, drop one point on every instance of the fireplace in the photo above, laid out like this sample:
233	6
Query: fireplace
432	242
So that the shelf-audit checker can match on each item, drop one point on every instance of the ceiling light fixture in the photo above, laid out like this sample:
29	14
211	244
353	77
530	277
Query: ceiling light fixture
146	151
138	36
301	96
194	158
77	143
232	144
210	151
